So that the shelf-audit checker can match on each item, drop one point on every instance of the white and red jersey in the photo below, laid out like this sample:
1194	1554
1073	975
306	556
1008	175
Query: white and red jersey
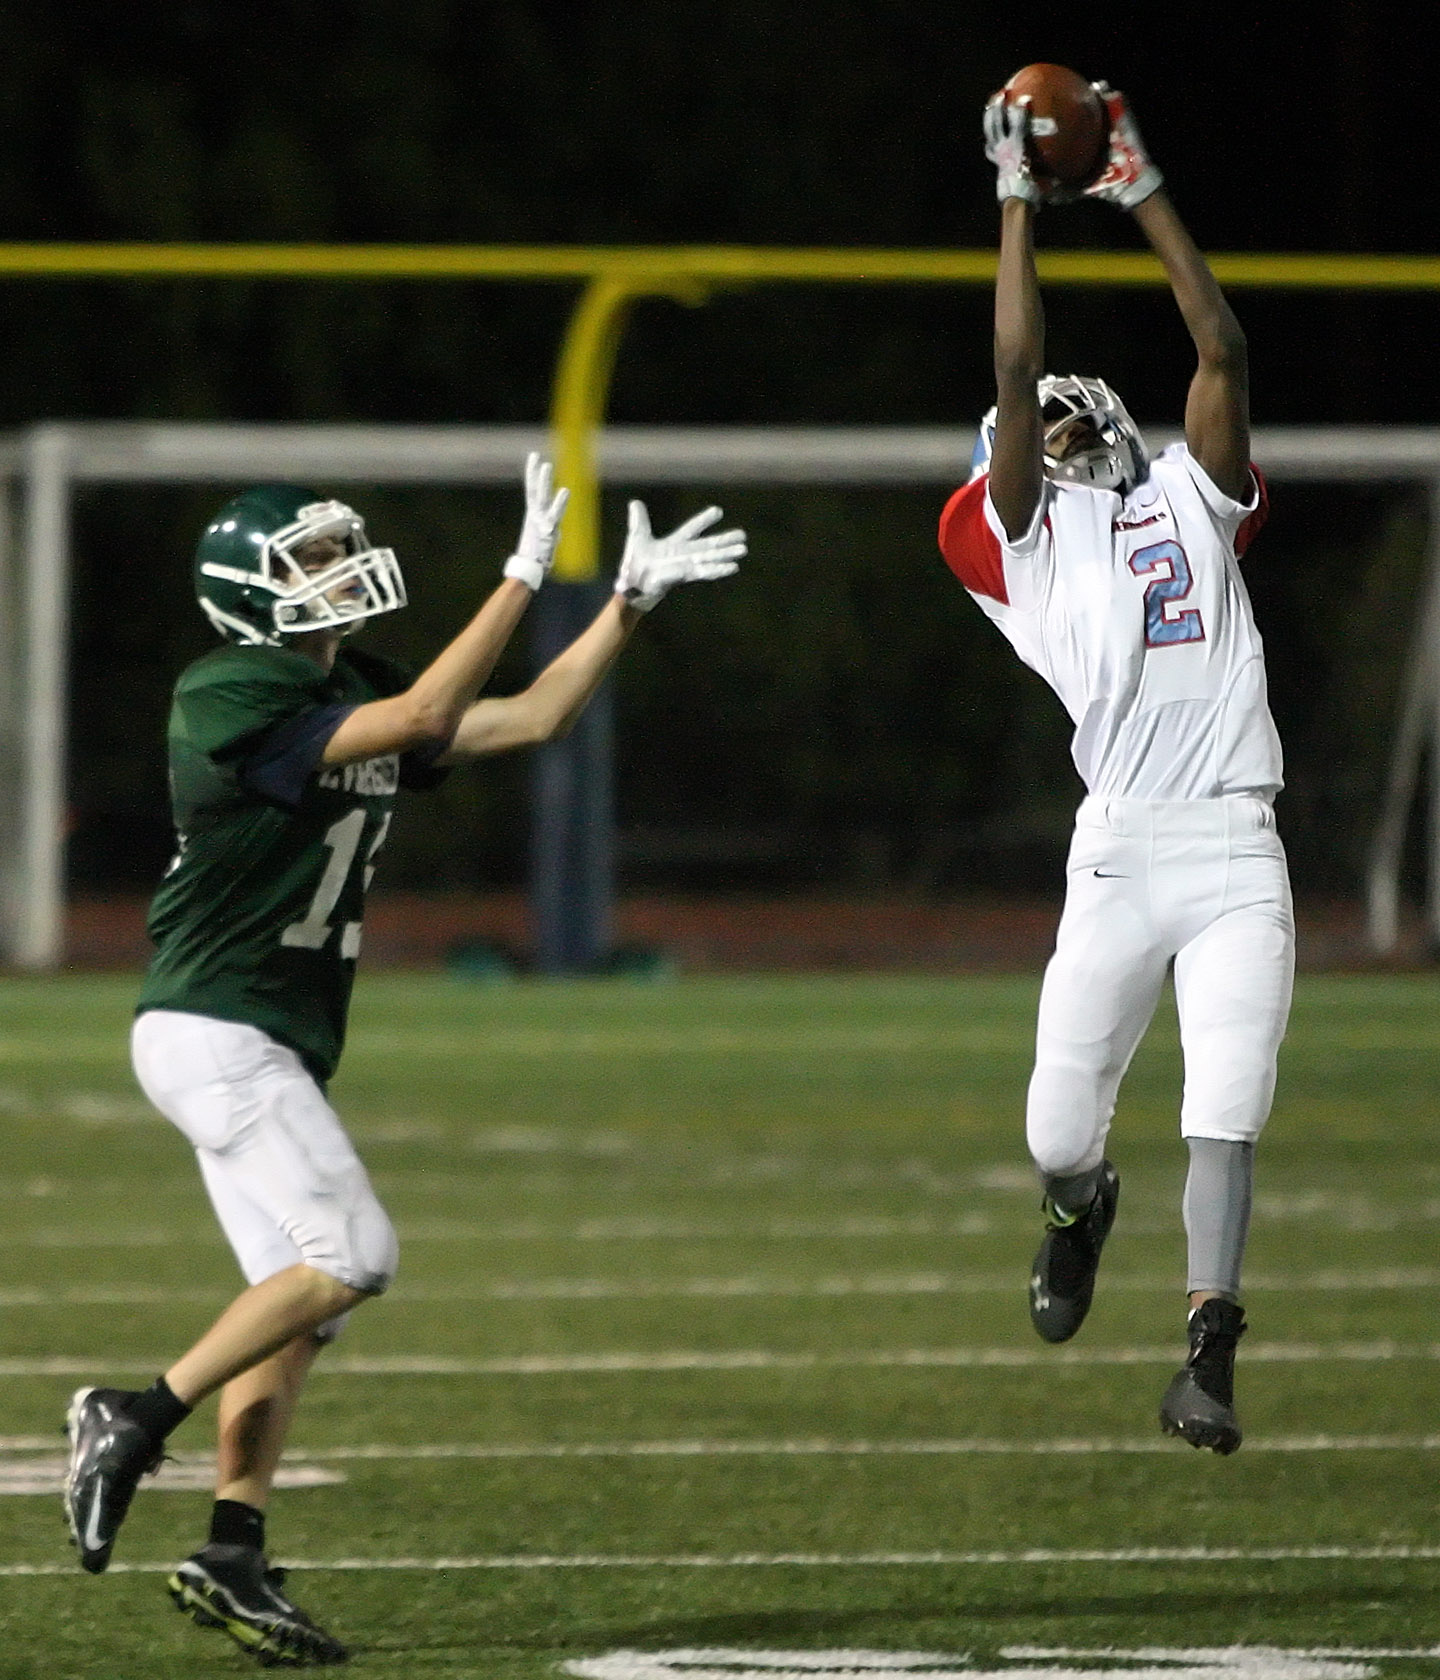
1135	613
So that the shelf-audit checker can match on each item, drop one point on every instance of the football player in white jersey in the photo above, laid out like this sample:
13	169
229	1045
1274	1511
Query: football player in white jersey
1116	577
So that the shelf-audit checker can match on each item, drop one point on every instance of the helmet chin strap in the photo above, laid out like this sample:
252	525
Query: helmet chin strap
235	628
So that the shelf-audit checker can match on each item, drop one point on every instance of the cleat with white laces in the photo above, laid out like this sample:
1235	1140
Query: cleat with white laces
234	1589
108	1456
1199	1405
1062	1280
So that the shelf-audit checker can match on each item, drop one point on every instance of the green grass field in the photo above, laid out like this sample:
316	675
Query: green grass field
710	1338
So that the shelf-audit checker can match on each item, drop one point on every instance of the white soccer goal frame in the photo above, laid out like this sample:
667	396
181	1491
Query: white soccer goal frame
41	467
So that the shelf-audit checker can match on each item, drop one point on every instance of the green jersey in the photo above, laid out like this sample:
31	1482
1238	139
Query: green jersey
258	917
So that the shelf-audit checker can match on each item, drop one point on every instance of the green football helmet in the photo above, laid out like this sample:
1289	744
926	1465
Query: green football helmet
254	588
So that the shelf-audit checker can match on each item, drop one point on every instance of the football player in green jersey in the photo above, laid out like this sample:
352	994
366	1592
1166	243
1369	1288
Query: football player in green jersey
286	751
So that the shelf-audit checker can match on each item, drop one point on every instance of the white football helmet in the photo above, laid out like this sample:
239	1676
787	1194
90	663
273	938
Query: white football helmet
1117	458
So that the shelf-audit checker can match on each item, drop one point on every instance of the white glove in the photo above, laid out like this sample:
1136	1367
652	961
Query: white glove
1128	177
1007	137
653	565
536	549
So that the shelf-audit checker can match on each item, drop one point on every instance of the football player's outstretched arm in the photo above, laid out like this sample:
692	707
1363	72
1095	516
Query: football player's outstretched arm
547	709
651	567
1017	466
430	710
1217	411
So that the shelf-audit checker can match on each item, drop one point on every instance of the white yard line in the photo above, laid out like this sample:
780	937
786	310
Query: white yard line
1023	1653
964	1358
1155	1662
639	1229
617	1231
478	1231
36	1475
378	1453
1351	1220
139	1296
856	1449
1037	1555
303	1459
1380	1281
89	1237
546	1043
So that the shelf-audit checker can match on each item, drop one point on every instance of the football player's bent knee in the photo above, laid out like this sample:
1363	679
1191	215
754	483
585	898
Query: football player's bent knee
1065	1159
380	1256
1064	1125
361	1254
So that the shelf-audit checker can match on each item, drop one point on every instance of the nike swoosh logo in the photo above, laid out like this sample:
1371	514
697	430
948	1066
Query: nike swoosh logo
94	1540
1107	875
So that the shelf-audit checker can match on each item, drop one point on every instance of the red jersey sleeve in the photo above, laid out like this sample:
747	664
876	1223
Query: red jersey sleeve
970	547
1256	518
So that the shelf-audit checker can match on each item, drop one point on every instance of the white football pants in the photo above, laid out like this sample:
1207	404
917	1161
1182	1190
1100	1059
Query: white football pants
283	1178
1201	881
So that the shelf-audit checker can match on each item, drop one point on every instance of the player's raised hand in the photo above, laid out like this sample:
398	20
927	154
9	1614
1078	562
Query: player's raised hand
1007	145
653	565
1128	177
535	551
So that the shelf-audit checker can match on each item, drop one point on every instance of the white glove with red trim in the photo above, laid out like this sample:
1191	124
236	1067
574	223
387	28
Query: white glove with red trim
1007	137
535	551
1128	177
652	565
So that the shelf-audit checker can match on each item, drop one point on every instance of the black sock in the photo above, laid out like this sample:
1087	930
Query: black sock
1072	1195
233	1523
157	1411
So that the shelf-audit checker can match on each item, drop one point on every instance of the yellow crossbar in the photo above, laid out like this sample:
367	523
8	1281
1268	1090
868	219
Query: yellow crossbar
734	263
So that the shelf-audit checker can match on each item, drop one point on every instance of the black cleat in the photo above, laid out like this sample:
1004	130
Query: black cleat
1199	1405
1062	1281
108	1456
234	1589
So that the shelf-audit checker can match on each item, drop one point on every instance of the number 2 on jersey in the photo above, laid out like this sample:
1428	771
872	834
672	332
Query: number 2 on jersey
343	839
1170	587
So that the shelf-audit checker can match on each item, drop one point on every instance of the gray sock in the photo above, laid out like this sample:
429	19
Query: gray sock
1217	1212
1071	1193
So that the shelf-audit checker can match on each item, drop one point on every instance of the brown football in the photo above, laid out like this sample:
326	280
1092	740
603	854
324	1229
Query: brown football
1069	132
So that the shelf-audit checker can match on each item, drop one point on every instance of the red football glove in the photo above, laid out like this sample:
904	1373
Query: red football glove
1128	177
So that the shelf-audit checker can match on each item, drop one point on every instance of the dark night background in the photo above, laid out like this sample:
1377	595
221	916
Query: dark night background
842	717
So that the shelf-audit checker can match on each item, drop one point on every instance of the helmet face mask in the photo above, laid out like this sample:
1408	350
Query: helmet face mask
1115	460
256	583
1113	457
